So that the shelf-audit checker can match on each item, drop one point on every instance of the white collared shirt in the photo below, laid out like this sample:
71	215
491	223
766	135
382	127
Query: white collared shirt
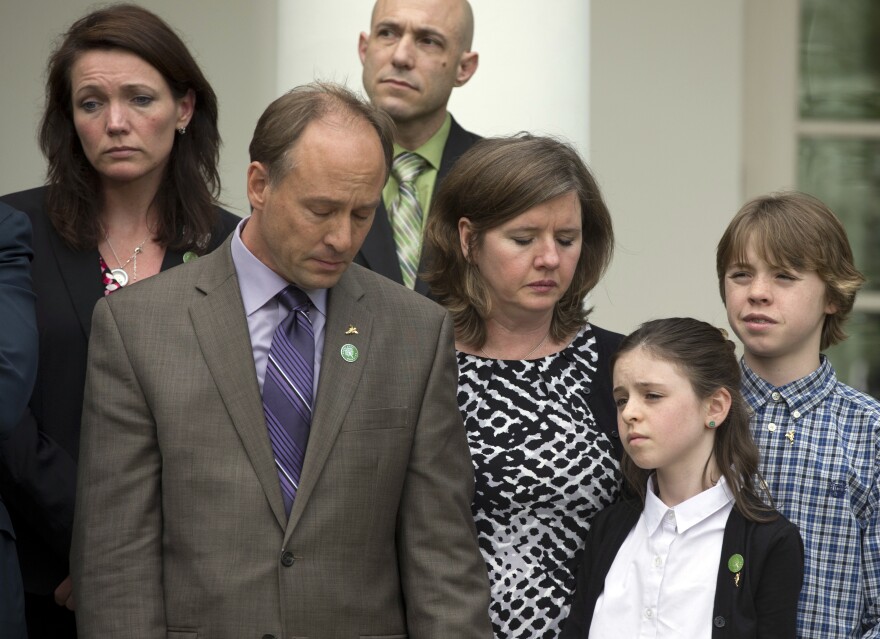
662	582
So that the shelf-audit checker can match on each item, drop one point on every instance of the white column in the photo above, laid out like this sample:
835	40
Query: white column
666	146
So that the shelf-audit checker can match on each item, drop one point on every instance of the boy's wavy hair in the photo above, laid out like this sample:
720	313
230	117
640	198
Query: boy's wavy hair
797	231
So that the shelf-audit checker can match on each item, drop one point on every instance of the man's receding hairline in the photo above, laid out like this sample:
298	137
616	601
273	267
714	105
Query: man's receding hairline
334	111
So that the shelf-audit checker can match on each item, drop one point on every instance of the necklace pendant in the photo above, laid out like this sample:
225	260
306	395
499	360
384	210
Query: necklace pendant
120	276
790	436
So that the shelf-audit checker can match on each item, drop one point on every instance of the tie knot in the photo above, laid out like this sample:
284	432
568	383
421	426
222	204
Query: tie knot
293	299
407	167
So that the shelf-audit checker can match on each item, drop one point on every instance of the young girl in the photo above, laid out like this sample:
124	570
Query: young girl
697	553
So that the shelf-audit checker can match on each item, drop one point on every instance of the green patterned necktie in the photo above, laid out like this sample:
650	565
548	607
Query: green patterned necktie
406	215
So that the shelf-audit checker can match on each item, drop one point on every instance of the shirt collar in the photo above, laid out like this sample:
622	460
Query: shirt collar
802	394
432	150
688	513
258	283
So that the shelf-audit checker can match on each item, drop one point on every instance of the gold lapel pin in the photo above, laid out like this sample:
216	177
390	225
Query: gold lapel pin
790	436
352	330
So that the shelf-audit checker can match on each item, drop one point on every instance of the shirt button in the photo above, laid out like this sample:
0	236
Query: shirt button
776	396
648	613
658	562
719	622
796	414
771	427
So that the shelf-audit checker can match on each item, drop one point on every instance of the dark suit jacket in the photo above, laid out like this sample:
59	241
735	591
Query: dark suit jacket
18	325
380	542
38	462
765	603
379	253
18	368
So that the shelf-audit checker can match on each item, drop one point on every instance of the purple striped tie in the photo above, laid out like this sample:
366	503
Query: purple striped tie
287	390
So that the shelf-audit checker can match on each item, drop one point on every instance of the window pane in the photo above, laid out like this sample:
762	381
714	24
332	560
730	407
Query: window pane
845	174
840	59
857	360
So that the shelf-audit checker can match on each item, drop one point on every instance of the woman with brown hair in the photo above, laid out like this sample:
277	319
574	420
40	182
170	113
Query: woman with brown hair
130	135
517	237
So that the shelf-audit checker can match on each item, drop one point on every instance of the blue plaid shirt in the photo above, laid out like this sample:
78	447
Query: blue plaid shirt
819	441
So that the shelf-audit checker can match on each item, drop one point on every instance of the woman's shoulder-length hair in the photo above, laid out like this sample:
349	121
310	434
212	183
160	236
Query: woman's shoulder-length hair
495	181
187	197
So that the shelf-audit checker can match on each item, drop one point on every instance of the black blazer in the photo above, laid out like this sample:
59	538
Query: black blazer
38	462
379	252
765	603
601	399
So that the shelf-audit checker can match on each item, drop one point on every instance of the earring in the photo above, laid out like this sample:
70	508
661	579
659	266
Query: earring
711	425
181	130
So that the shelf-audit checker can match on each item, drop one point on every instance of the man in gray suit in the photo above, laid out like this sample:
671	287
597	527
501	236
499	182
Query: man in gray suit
194	518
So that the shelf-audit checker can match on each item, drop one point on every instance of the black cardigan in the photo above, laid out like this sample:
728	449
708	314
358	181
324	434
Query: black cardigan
764	605
601	399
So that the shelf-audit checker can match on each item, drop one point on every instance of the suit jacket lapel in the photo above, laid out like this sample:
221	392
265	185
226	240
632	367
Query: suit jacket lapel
338	382
220	326
378	250
457	143
81	273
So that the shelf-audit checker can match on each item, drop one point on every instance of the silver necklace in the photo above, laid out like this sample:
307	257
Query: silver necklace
527	355
119	274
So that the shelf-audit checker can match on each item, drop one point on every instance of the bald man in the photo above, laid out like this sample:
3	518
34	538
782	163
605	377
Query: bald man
416	52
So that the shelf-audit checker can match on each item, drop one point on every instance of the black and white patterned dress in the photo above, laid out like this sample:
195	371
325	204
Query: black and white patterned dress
542	469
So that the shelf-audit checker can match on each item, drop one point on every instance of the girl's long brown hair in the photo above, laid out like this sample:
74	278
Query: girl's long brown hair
707	358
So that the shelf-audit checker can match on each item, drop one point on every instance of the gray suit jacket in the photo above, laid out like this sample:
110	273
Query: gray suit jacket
180	528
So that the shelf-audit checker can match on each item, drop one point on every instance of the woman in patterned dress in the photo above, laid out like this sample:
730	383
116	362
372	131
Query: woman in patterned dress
518	236
131	139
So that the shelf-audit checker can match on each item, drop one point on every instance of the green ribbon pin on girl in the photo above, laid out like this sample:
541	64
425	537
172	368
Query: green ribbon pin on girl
735	565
